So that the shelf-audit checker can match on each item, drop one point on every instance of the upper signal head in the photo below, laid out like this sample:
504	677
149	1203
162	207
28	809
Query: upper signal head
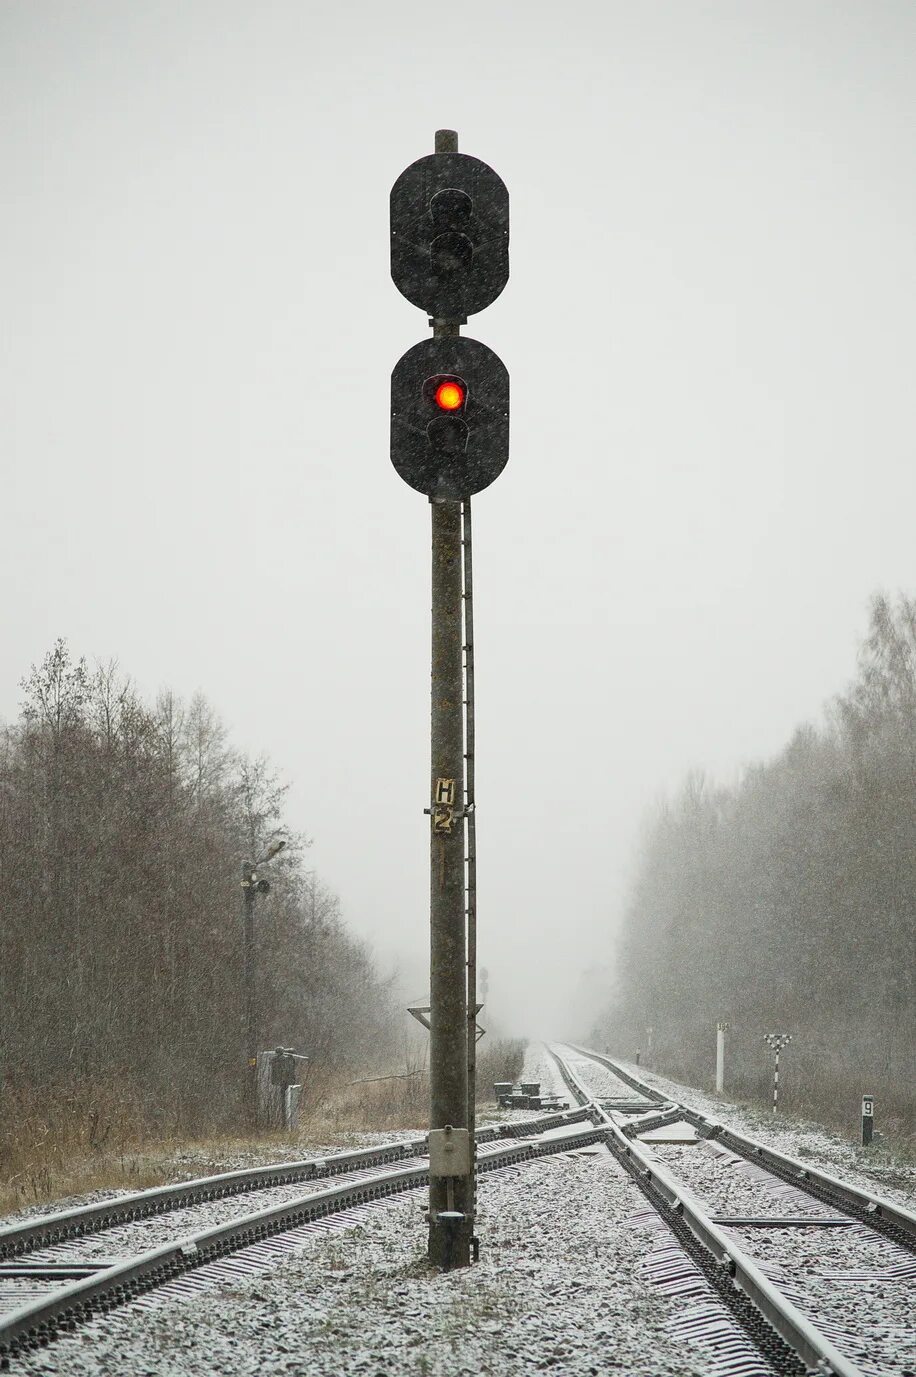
450	235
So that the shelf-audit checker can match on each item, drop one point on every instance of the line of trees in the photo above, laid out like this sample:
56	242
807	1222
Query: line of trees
788	904
123	827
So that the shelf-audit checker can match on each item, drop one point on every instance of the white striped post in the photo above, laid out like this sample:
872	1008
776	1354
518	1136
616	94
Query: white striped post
777	1041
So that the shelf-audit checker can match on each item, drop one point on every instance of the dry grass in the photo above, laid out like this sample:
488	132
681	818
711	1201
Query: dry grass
399	1101
370	1106
501	1059
51	1146
89	1137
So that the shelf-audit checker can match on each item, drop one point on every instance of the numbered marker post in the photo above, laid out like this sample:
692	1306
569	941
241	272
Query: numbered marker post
868	1119
721	1030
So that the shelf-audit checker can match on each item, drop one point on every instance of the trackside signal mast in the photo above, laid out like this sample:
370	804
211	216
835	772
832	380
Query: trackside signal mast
449	440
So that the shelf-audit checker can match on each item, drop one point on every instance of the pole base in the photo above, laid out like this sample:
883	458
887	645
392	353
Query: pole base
450	1243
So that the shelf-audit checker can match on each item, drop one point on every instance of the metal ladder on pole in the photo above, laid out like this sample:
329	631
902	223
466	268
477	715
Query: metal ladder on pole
471	822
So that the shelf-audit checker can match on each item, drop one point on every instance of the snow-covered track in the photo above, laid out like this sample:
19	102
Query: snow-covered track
62	1226
778	1307
45	1231
97	1285
881	1215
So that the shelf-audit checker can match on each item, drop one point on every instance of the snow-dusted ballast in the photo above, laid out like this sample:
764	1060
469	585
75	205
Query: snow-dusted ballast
790	1318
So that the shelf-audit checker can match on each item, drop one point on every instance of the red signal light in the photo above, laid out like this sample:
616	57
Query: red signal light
449	395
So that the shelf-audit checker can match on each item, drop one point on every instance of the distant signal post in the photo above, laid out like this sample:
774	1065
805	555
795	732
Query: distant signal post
449	440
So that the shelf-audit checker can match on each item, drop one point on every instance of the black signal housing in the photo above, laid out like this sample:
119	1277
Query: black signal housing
449	452
450	235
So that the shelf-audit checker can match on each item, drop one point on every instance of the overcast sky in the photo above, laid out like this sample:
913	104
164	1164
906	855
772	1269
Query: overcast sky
709	327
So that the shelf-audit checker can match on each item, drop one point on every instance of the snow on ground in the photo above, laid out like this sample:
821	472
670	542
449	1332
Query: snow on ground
851	1278
848	1285
599	1080
540	1066
140	1236
557	1288
560	1284
192	1162
726	1185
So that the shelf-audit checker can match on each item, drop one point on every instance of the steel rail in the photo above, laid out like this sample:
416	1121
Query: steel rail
794	1328
863	1205
39	1322
82	1220
64	1225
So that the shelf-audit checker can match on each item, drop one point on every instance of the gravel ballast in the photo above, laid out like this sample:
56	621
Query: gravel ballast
140	1236
565	1281
854	1284
870	1168
555	1289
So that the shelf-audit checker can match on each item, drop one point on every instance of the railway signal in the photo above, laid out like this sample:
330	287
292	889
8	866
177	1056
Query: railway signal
449	440
449	417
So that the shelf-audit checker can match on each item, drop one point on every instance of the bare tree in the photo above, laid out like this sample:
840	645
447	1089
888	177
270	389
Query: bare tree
791	900
122	832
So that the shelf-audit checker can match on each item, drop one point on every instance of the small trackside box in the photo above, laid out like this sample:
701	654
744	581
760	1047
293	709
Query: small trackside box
449	1152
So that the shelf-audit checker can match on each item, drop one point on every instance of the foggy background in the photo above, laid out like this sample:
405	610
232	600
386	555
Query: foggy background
709	327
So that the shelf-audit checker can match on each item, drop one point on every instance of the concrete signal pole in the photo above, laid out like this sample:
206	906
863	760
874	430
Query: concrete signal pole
470	751
449	1239
449	440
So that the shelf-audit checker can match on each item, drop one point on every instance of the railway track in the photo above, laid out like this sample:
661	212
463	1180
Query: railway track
58	1271
749	1307
759	1251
